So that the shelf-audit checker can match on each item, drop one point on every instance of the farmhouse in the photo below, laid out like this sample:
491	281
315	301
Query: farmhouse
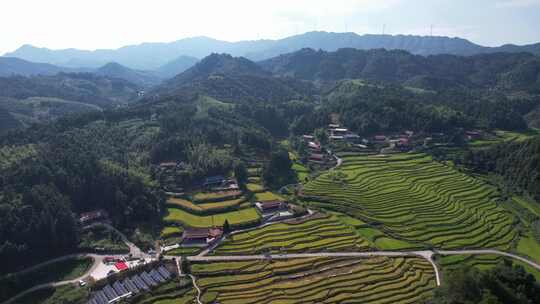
336	137
380	139
472	135
168	165
316	157
201	235
339	132
89	217
271	206
214	181
314	146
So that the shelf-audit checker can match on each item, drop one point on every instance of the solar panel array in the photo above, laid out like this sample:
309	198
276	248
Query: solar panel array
130	286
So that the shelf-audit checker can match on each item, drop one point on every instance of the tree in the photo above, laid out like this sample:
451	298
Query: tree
240	172
185	266
321	136
278	172
226	227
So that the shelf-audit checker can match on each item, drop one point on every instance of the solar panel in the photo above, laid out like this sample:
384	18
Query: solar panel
130	286
148	279
119	288
164	272
139	282
156	276
101	297
109	292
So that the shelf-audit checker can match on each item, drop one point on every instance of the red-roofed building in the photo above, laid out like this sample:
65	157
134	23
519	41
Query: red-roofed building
121	266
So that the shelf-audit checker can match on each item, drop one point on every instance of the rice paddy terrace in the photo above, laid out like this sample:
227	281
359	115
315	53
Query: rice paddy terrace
316	280
414	199
321	233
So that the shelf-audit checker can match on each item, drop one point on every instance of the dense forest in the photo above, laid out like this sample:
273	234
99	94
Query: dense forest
517	162
504	284
82	87
500	70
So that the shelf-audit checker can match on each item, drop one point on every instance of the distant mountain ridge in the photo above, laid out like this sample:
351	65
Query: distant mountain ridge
151	56
514	71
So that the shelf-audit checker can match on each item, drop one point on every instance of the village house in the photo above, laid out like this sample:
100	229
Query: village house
316	157
201	236
313	146
92	216
474	134
380	139
214	181
274	206
308	137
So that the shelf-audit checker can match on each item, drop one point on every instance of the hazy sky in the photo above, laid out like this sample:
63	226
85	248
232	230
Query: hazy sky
91	24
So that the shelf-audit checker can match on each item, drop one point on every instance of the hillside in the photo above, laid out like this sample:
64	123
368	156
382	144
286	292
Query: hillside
7	121
506	71
14	66
233	79
82	87
517	161
115	70
150	56
176	66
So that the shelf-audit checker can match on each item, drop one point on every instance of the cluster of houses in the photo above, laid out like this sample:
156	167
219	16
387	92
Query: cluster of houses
220	183
338	133
316	154
130	286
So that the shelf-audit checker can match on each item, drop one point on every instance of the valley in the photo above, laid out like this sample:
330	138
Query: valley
311	170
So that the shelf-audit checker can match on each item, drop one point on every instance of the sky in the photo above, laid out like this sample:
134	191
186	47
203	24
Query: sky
98	24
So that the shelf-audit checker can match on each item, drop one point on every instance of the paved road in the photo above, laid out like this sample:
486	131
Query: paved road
97	260
426	254
488	251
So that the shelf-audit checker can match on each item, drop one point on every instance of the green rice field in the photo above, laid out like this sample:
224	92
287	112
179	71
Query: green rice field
178	216
316	280
411	198
322	233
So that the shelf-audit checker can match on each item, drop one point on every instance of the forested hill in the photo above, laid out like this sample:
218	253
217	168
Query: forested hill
7	121
517	162
233	79
506	71
82	87
115	70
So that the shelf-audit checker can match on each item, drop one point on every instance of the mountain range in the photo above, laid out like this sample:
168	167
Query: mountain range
153	56
11	66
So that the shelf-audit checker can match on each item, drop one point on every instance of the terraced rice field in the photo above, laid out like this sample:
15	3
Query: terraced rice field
267	196
323	233
482	262
316	280
412	198
205	207
240	217
205	197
